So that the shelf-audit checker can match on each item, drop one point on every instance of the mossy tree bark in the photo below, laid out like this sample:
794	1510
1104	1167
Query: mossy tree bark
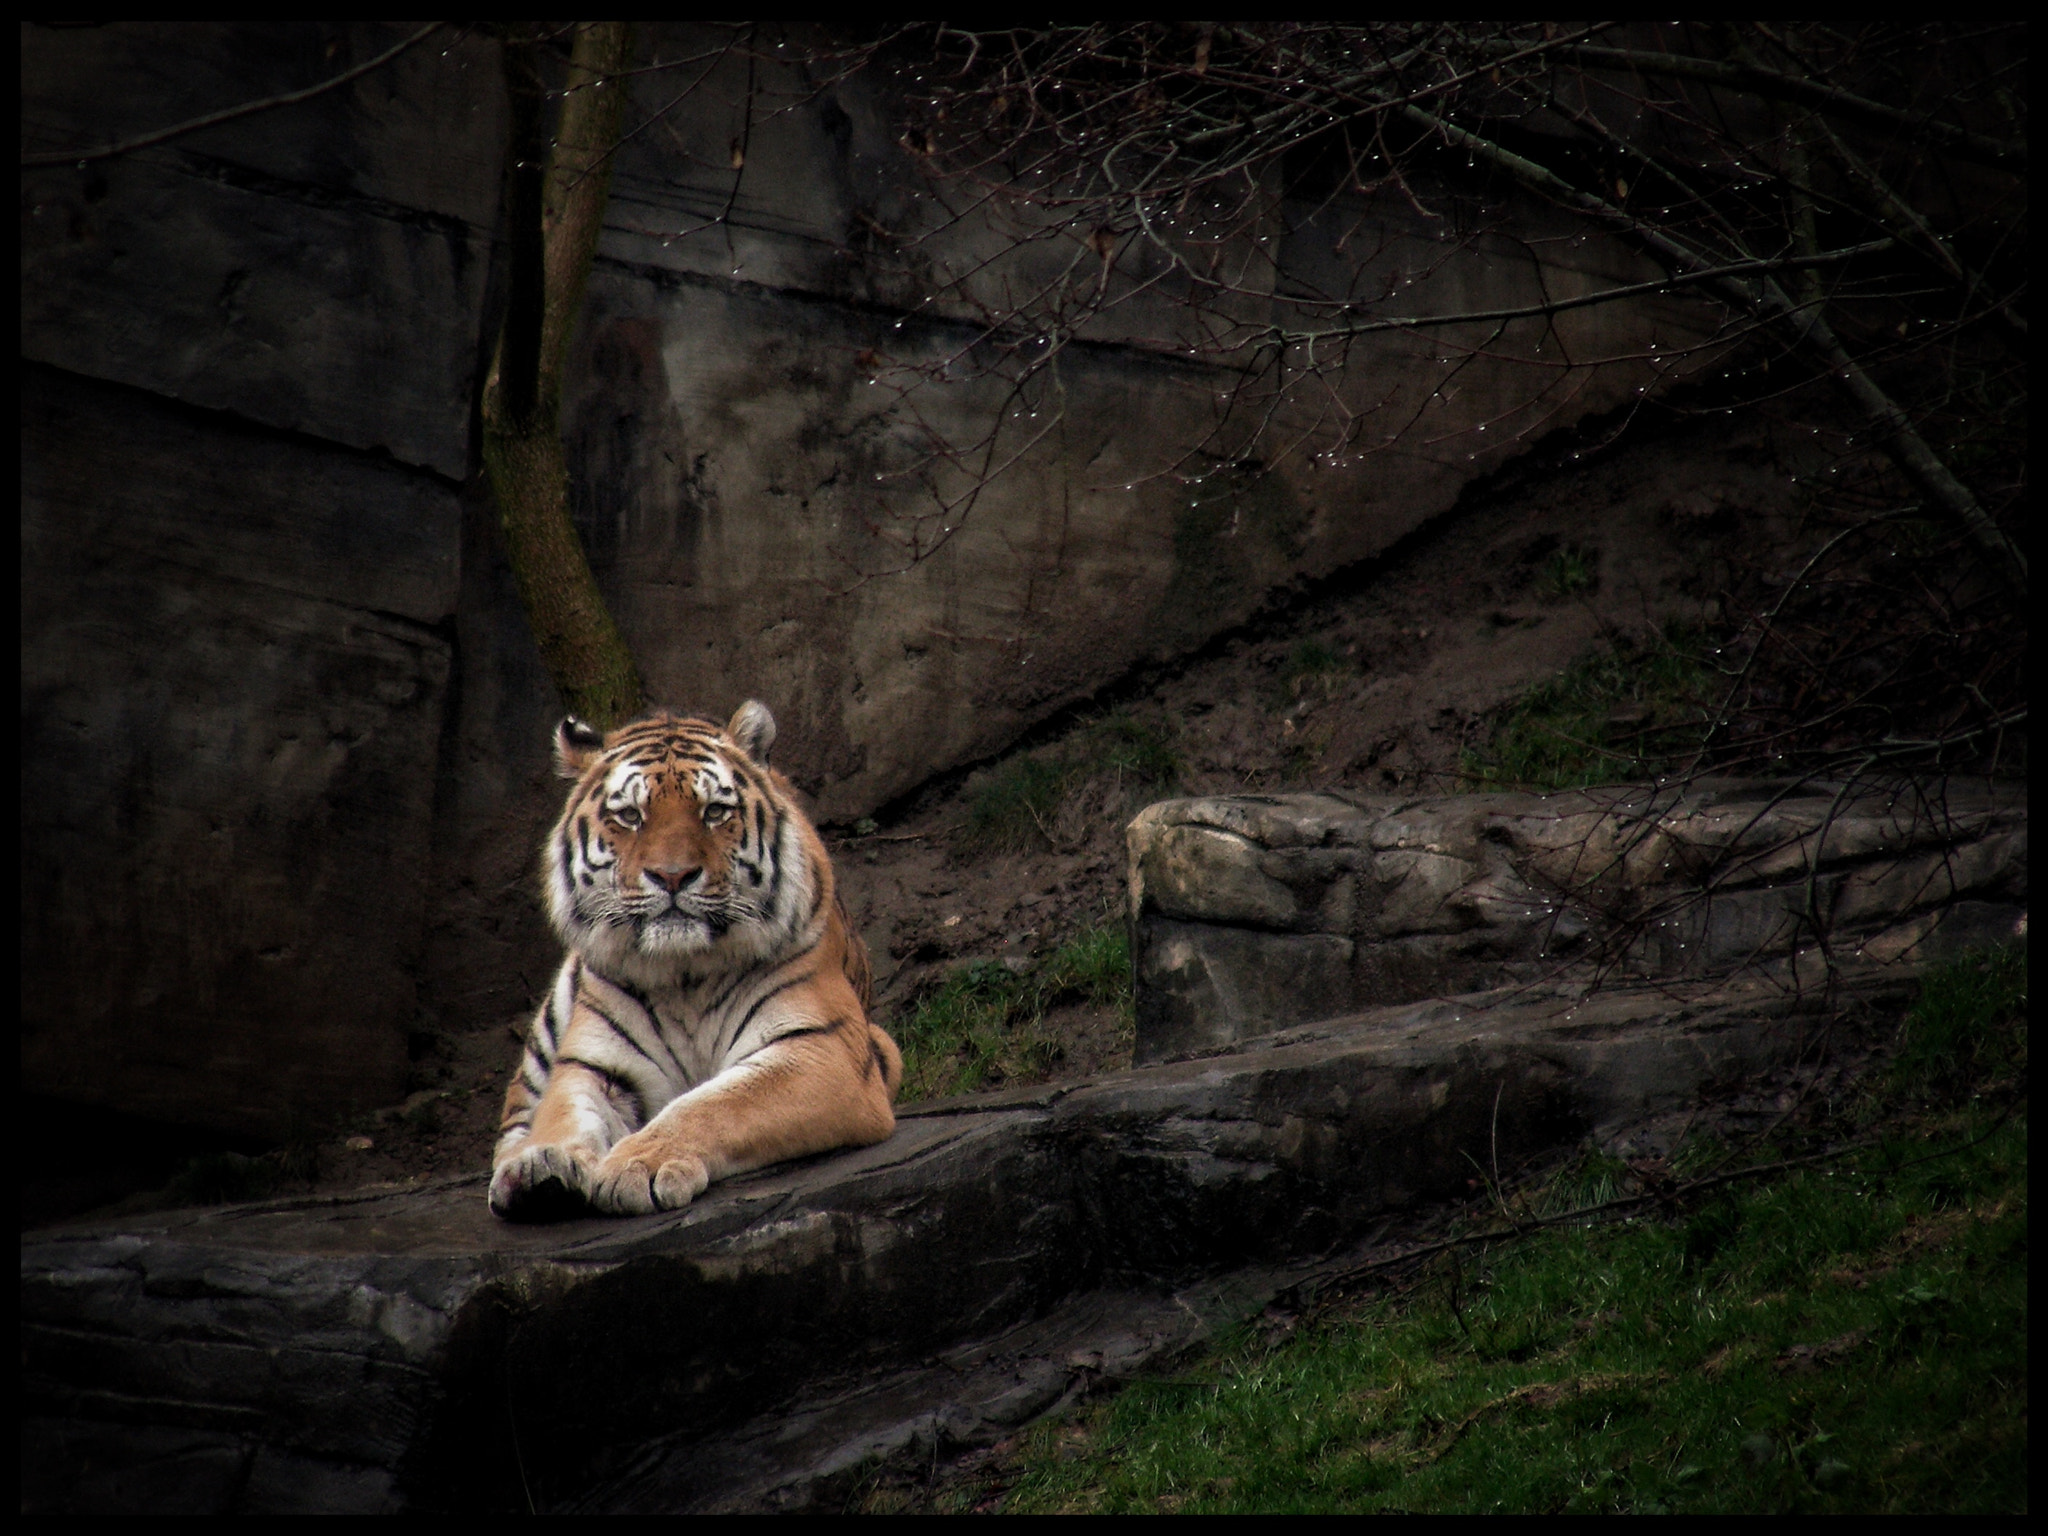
561	164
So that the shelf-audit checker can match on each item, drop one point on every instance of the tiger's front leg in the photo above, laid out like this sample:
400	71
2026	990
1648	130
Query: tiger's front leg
553	1143
798	1095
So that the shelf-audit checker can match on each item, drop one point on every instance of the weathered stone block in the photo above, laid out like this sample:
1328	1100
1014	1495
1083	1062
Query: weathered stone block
1945	931
1420	888
1203	985
1458	891
1205	874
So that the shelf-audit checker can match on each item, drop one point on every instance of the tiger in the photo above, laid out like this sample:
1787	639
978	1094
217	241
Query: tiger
710	1015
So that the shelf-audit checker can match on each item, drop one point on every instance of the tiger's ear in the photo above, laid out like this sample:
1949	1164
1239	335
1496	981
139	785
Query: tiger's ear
752	729
576	747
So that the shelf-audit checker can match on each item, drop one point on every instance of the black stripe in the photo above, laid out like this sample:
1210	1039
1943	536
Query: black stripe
831	1028
656	751
731	987
547	1022
774	853
876	1061
623	1033
536	1089
639	997
612	1080
760	1002
817	900
641	1001
583	797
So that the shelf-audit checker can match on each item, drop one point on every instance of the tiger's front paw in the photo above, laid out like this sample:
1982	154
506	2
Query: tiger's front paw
543	1183
637	1181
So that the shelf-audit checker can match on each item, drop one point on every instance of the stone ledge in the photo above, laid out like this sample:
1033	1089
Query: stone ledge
1251	912
397	1349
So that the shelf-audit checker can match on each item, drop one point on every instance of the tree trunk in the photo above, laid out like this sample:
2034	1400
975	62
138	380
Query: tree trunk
554	210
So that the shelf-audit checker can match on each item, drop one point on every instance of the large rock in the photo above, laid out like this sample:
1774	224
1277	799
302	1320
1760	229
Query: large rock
250	355
318	267
234	673
1253	912
404	1349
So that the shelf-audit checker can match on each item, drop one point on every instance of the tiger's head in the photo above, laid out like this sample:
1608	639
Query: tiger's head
680	851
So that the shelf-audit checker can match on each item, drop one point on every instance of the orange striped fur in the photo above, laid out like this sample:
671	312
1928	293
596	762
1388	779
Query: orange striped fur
711	1014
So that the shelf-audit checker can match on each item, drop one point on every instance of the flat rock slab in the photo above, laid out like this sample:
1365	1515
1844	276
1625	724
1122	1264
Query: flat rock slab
404	1349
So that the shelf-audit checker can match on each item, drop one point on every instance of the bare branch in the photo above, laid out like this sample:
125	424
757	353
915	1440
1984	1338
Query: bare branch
1802	323
1659	285
1769	82
229	114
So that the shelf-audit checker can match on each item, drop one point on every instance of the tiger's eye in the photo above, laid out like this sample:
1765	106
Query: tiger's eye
714	814
628	817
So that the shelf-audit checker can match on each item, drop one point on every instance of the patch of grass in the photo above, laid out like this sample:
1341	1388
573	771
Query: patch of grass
1135	752
1568	572
1847	1337
225	1178
1632	710
1020	805
984	1025
1016	806
1312	669
1967	1031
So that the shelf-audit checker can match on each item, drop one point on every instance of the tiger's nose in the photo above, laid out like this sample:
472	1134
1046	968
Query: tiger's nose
672	878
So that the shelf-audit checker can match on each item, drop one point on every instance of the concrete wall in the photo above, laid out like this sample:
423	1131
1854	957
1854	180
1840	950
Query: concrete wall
286	733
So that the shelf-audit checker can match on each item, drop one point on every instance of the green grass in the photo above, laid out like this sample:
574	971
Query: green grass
1631	710
984	1025
223	1178
1945	1048
1846	1337
1568	572
1016	806
1312	667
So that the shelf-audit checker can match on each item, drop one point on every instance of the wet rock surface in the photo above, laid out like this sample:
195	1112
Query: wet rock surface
402	1349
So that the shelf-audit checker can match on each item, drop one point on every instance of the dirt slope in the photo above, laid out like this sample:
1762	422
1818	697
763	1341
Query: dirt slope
1379	680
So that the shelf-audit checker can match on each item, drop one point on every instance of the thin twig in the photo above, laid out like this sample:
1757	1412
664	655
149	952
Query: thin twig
227	114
